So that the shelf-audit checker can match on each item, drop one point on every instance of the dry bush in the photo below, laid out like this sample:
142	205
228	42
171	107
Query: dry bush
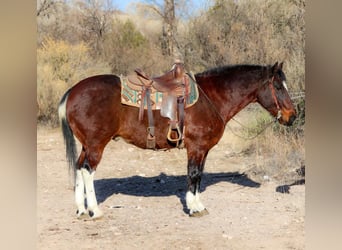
60	65
63	58
126	48
278	156
278	151
60	22
49	91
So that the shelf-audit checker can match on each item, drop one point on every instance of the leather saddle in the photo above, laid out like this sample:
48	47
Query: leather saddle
165	83
174	85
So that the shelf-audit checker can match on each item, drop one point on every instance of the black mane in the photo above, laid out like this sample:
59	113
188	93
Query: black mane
231	68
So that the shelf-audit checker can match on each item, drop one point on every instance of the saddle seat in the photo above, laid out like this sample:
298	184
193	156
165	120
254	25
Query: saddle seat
171	79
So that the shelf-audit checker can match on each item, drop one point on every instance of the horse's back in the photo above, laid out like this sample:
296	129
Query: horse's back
94	93
97	81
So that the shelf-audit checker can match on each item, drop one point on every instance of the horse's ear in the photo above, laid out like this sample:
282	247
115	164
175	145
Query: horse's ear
275	68
281	65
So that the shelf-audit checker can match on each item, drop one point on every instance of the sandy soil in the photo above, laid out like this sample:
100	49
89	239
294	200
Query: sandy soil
142	193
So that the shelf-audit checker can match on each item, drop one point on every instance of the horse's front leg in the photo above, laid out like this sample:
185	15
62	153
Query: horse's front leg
195	170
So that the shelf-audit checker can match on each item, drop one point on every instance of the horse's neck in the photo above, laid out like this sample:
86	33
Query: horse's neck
229	101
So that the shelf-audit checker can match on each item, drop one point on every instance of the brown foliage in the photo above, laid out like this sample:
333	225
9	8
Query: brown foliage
252	32
228	32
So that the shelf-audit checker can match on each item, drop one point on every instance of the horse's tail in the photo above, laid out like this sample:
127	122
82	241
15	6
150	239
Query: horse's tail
68	135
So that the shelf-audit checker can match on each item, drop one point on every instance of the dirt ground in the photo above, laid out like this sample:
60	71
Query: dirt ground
141	193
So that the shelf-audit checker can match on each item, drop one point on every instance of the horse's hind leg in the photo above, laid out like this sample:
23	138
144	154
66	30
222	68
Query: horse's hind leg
85	184
88	177
79	187
79	195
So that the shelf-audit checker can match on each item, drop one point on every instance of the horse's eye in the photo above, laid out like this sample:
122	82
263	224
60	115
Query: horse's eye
277	85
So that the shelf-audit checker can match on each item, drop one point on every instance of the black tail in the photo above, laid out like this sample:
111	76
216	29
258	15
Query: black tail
69	139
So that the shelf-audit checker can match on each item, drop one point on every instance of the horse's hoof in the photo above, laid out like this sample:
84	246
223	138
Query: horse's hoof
82	215
199	213
95	214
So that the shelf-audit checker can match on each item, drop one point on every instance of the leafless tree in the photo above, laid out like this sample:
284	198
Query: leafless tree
96	17
167	12
169	28
43	7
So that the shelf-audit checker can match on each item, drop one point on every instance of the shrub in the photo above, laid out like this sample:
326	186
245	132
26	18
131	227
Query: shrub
251	32
278	150
60	65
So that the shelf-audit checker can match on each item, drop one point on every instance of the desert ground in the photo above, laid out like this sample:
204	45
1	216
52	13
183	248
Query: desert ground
141	193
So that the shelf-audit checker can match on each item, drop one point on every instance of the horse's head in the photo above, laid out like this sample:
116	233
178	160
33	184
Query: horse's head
273	96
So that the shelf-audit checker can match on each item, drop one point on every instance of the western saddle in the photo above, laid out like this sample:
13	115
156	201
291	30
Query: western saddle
174	85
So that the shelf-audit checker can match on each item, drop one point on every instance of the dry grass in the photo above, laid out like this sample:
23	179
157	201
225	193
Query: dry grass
277	153
278	157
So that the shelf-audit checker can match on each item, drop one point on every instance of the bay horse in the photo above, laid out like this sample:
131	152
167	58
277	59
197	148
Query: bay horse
92	111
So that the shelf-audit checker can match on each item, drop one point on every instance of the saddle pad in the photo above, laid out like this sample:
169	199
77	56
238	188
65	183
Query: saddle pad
132	97
193	95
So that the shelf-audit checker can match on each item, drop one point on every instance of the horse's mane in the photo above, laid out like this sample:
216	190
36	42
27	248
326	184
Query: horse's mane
232	68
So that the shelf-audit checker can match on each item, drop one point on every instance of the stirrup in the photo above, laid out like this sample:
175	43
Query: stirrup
178	131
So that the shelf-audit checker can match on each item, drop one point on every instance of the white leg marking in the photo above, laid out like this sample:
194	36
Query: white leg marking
193	202
88	179
79	194
285	85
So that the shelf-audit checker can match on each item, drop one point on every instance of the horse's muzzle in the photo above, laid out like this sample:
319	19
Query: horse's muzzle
291	119
287	116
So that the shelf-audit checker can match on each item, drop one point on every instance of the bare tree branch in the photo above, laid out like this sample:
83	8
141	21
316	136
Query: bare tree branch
44	6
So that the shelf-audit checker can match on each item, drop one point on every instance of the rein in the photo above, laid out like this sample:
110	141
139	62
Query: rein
270	81
254	136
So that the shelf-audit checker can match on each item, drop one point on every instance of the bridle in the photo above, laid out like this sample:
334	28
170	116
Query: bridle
271	82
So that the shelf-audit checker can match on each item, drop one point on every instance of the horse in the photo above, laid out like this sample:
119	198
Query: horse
92	111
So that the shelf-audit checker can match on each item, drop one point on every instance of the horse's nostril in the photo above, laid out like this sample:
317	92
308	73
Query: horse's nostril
291	119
